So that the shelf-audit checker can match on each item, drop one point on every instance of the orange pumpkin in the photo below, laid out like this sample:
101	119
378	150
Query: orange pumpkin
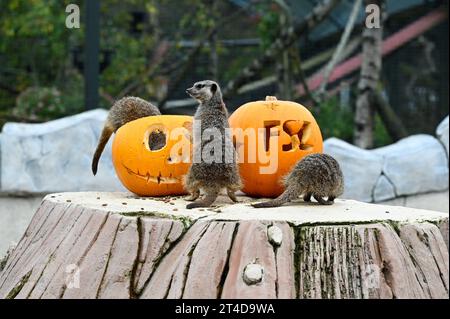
285	132
151	154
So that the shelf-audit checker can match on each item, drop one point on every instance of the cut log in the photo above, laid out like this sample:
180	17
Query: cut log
116	245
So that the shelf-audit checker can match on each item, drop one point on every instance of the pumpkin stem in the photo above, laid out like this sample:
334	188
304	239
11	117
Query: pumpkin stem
271	98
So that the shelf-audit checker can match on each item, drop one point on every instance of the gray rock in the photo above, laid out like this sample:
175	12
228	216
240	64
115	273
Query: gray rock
253	274
275	235
384	190
442	133
56	156
361	168
416	164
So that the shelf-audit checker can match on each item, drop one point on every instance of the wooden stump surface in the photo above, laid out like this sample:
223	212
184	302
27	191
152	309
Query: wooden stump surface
116	245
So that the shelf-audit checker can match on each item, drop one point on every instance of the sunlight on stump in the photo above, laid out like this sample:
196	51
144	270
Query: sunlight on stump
117	245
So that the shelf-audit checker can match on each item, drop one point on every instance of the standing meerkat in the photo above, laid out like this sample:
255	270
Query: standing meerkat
317	175
125	110
222	172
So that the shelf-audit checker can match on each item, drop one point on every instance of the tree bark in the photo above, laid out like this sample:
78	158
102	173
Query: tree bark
369	77
116	245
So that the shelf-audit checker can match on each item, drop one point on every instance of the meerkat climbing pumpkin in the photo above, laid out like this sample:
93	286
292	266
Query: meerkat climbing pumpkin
123	111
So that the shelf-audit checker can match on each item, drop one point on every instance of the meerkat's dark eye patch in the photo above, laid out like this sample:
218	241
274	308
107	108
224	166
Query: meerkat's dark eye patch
199	86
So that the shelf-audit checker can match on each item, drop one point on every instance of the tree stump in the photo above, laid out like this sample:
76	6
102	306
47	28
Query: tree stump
116	245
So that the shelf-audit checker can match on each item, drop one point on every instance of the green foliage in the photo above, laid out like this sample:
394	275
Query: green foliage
335	120
269	25
381	136
39	103
35	58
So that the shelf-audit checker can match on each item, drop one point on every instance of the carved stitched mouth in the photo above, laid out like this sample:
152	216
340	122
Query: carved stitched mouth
153	179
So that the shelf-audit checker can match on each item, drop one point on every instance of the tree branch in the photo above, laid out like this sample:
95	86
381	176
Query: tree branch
155	62
340	48
189	59
303	80
285	40
391	121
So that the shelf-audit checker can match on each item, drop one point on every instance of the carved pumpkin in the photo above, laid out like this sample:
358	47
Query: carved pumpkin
285	132
151	154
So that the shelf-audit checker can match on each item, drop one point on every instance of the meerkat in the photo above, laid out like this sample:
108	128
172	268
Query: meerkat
123	111
317	175
211	177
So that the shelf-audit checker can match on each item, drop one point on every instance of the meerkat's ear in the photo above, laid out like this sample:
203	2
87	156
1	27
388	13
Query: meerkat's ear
213	88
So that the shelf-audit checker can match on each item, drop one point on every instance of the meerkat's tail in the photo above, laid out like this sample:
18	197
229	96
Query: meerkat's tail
286	197
272	203
206	202
104	137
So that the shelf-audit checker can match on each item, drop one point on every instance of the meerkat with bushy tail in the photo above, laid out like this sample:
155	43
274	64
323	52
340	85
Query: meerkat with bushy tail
317	175
222	172
123	111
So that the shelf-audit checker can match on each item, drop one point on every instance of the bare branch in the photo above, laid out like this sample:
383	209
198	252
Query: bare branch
391	121
156	61
340	48
189	59
285	40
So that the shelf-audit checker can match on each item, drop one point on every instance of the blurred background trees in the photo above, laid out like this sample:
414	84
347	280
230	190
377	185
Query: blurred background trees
156	48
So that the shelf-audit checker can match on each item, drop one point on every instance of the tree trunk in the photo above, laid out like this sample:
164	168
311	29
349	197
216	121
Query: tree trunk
115	245
370	75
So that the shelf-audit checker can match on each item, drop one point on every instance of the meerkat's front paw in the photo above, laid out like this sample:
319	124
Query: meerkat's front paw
193	196
190	198
232	195
321	201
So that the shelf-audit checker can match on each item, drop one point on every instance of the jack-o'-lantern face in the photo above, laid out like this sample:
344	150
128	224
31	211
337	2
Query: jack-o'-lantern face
285	132
152	154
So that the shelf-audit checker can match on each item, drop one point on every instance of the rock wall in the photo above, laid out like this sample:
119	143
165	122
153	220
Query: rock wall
414	165
55	156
